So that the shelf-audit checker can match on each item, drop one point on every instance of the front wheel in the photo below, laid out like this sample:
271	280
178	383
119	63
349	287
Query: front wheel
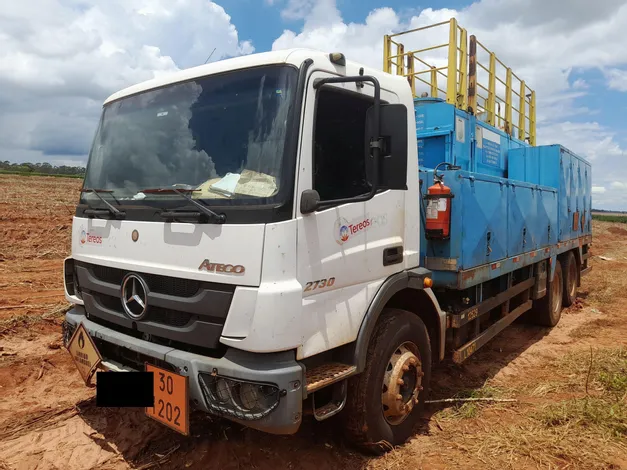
384	401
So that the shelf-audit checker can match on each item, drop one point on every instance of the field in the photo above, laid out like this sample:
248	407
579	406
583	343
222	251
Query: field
558	398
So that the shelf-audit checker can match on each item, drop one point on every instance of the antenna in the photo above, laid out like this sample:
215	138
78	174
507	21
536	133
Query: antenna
214	49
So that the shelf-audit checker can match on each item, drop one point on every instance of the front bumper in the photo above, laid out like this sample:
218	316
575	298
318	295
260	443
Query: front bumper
280	369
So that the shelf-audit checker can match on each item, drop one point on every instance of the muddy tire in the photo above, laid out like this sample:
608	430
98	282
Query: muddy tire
548	310
385	401
570	279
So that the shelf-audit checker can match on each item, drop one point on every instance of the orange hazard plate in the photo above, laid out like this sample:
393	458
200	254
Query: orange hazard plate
171	399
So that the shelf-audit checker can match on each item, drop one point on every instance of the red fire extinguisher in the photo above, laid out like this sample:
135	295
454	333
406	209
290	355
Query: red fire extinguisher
438	217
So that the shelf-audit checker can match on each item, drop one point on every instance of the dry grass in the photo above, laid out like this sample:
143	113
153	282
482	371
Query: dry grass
54	312
468	410
590	329
602	416
586	430
605	284
537	445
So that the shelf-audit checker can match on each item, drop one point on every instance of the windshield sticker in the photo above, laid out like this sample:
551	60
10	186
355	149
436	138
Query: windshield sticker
344	229
88	238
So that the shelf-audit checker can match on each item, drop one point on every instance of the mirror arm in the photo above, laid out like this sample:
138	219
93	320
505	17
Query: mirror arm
375	145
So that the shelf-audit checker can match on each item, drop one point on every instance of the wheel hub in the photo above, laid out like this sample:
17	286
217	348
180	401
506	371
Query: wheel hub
401	383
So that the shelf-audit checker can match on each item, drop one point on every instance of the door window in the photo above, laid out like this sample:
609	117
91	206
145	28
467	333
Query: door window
339	169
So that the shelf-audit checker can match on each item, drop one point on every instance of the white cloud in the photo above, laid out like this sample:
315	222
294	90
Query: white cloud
598	189
540	40
617	79
59	59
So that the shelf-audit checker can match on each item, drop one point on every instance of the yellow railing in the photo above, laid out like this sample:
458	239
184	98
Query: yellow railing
454	72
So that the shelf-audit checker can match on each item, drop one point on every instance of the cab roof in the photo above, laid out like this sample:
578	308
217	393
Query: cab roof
288	56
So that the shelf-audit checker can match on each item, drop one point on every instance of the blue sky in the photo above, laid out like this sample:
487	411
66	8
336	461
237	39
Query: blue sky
59	59
261	21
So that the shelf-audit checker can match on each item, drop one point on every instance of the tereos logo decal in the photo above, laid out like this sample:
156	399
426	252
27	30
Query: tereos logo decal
89	238
345	230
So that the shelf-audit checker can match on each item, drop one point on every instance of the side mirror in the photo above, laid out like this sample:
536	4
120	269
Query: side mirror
392	172
309	201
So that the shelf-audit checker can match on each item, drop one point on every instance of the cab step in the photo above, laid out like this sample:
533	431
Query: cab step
327	374
334	406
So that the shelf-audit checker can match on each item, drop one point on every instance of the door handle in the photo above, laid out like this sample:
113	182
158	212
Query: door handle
393	255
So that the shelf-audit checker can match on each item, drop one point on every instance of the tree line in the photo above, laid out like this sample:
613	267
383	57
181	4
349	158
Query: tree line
44	168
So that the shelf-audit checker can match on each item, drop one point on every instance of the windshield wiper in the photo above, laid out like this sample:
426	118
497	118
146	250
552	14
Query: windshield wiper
219	218
110	210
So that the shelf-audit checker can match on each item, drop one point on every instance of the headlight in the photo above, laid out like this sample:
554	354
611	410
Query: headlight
238	398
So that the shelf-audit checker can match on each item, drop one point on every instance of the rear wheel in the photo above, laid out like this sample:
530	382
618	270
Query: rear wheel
384	401
570	280
548	310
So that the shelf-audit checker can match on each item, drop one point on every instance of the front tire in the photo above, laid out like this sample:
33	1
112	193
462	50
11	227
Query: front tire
384	401
548	310
570	280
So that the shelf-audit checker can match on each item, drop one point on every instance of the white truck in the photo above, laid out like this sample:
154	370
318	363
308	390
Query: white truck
251	229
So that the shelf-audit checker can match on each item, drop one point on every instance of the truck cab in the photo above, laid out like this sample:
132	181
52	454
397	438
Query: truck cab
233	224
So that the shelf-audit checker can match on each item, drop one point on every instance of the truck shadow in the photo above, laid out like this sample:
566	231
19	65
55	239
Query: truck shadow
450	380
218	443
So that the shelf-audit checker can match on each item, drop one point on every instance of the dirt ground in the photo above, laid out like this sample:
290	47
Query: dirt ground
558	398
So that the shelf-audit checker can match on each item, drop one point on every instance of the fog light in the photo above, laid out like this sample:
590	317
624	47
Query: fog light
255	397
238	398
222	391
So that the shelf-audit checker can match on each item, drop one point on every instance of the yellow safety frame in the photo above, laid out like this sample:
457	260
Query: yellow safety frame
458	81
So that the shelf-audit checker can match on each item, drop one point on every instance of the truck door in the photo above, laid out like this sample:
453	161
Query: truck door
341	249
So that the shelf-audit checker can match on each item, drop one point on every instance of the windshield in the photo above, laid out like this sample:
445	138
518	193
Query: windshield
222	135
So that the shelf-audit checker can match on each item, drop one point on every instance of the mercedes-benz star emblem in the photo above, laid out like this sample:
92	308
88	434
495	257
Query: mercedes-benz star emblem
134	296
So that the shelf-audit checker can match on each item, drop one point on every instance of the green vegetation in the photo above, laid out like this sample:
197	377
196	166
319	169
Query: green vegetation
620	218
19	173
41	169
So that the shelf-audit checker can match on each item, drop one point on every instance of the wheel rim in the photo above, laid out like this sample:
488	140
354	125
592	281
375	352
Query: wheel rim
556	287
402	383
572	276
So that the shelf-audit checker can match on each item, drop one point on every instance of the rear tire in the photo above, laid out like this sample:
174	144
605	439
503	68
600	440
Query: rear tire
548	310
570	280
398	374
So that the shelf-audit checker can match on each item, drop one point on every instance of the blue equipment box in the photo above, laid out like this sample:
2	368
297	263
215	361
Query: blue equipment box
510	199
558	167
